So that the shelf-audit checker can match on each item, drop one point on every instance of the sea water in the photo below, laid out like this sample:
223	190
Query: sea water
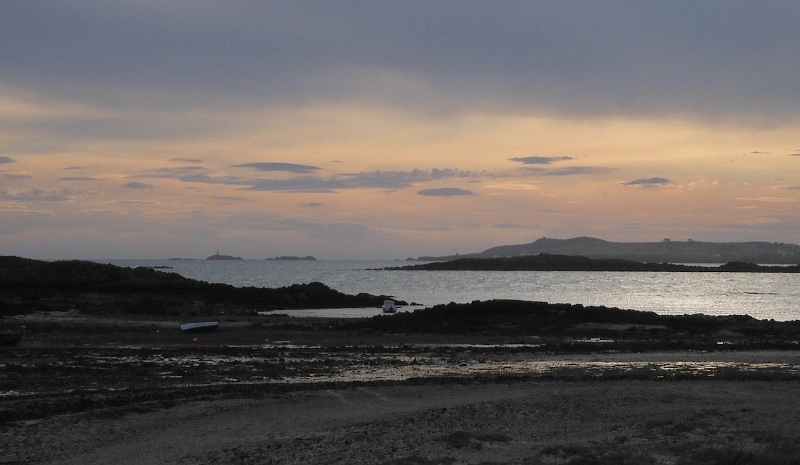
761	295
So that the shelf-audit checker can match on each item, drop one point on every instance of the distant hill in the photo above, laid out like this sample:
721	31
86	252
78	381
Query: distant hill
666	251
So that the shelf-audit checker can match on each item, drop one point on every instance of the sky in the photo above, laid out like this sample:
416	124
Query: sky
393	129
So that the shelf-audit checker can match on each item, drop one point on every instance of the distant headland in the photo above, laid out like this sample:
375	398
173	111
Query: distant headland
666	251
217	256
551	262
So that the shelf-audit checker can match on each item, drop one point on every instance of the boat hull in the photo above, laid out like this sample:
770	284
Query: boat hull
200	327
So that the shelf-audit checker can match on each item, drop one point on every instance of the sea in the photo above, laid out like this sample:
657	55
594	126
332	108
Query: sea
760	295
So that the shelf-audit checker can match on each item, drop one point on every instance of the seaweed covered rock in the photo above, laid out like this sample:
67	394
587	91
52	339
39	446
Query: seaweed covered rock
542	319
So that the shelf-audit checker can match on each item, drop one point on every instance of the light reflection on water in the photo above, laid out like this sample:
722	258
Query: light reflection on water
761	295
556	369
93	371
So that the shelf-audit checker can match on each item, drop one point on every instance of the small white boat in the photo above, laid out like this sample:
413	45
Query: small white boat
199	327
389	306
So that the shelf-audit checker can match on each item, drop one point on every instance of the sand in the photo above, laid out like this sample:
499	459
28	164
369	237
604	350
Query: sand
744	409
471	423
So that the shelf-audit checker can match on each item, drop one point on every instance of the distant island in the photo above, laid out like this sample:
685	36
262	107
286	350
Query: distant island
552	262
217	256
666	251
291	257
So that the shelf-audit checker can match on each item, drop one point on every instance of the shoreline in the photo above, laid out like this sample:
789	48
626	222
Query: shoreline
304	391
113	379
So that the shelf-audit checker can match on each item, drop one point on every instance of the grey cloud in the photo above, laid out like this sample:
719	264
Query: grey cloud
794	154
312	204
288	167
362	180
388	180
648	182
539	160
73	168
445	192
17	176
138	185
191	173
577	170
77	178
186	160
177	172
39	195
301	184
709	59
212	179
401	179
455	173
4	160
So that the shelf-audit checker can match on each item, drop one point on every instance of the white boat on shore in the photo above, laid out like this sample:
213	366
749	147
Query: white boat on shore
389	306
199	327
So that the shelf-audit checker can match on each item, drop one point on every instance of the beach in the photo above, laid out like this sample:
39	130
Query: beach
498	422
288	395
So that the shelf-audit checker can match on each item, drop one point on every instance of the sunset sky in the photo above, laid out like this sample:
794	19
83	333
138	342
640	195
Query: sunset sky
393	129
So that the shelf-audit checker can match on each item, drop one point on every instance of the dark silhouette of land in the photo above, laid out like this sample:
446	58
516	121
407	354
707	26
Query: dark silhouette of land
32	285
217	256
666	251
552	262
566	328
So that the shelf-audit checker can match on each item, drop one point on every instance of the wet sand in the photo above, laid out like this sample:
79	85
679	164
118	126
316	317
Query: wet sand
523	422
137	392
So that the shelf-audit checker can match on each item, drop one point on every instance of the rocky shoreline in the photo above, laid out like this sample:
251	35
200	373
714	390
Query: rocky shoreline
99	387
500	382
428	403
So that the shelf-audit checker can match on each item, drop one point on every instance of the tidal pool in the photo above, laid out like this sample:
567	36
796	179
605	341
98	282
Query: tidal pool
51	372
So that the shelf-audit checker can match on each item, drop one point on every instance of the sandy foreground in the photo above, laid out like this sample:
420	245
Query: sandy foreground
453	422
681	407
